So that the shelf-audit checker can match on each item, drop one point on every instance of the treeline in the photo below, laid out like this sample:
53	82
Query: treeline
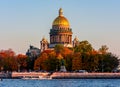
9	61
83	56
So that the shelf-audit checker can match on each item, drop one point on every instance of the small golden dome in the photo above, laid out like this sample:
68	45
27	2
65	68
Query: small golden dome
61	20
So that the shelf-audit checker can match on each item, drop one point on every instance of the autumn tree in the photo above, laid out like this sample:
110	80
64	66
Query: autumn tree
76	62
47	61
8	60
40	62
66	51
22	61
37	64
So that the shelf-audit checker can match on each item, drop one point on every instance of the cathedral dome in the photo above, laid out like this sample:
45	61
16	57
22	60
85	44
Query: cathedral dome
61	20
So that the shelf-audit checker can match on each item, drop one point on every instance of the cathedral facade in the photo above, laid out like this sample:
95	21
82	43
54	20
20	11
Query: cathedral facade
60	33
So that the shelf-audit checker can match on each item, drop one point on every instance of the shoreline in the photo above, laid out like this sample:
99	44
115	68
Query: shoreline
61	75
85	75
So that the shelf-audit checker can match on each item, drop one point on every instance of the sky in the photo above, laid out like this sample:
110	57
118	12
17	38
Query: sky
26	22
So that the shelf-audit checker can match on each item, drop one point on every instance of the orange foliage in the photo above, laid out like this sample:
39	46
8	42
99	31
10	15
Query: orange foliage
8	60
40	62
21	56
22	60
47	51
77	62
66	51
94	52
7	53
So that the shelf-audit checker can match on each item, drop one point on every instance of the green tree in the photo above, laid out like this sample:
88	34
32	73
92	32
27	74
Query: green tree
103	49
110	62
83	47
59	48
68	62
52	63
93	62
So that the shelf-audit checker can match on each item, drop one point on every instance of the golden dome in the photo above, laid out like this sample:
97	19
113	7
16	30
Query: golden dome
61	20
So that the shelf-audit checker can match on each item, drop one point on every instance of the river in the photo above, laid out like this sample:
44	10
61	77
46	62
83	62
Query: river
61	83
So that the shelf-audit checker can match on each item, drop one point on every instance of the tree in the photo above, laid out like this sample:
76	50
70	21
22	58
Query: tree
47	61
83	47
76	62
103	49
109	62
22	61
8	60
93	62
37	64
66	51
52	62
59	48
40	63
68	61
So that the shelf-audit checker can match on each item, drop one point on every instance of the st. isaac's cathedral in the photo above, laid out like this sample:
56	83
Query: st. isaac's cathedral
60	33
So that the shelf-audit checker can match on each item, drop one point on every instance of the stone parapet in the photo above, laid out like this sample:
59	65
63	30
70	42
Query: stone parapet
28	74
64	75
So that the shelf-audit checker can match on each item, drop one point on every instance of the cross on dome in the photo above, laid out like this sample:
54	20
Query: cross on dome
60	12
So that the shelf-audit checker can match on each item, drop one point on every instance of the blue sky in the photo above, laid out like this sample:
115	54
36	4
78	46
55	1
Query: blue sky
25	22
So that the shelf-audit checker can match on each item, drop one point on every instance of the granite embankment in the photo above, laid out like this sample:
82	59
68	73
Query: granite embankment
29	74
58	75
62	75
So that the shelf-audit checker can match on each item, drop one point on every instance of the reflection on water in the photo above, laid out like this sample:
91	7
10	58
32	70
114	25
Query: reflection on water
61	83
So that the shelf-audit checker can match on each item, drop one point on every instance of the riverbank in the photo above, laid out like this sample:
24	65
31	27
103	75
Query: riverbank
61	75
58	75
29	74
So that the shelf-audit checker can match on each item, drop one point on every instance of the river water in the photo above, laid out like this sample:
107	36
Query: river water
61	83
